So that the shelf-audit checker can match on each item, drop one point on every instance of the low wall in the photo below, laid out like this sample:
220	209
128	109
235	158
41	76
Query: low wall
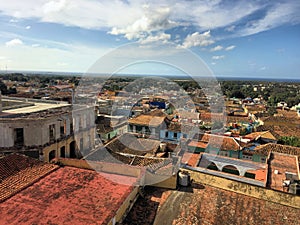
125	207
105	167
246	189
169	182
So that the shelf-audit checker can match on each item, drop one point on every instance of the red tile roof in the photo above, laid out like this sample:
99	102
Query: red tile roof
223	142
267	148
18	172
67	196
203	204
191	159
147	120
262	134
129	144
198	144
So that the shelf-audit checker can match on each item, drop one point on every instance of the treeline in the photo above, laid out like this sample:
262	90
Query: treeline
43	80
14	77
5	91
291	140
272	92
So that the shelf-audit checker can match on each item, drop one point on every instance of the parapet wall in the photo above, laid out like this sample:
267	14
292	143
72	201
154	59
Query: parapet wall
247	189
105	167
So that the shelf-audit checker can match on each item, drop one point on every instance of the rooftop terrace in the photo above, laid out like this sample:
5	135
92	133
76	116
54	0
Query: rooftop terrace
32	108
281	163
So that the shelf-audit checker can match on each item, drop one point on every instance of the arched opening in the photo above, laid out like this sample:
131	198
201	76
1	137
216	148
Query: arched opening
249	174
63	152
212	166
52	155
73	149
230	169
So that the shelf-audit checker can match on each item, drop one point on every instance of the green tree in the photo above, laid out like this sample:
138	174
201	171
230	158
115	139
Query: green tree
3	88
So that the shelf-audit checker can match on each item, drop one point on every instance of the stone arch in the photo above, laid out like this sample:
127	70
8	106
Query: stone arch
230	169
73	149
63	152
52	155
212	166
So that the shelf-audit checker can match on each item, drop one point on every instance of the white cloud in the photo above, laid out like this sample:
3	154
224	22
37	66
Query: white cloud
153	20
197	39
279	14
162	37
216	48
229	48
56	60
14	42
13	20
217	57
136	20
230	28
27	27
215	14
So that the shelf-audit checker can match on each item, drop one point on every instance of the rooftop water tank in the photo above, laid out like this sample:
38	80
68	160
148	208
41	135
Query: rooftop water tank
184	178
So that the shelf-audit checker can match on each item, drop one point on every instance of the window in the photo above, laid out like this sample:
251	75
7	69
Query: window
52	132
19	136
130	128
62	131
175	135
167	134
71	128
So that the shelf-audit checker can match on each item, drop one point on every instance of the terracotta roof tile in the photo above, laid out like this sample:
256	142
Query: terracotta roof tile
19	171
147	120
270	147
222	142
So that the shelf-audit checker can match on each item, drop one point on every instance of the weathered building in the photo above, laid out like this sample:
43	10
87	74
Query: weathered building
46	129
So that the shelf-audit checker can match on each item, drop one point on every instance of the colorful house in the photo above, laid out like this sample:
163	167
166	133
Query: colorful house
146	125
218	145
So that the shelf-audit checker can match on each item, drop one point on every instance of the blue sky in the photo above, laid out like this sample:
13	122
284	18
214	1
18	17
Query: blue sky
257	38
